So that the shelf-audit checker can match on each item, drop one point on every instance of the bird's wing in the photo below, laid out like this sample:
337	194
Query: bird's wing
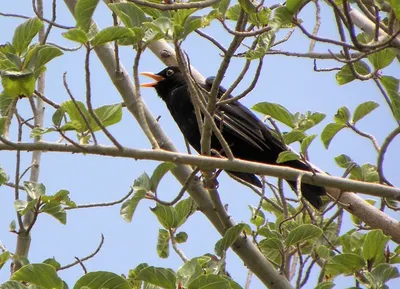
241	122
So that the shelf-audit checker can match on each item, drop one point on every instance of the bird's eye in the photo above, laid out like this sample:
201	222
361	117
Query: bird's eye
170	72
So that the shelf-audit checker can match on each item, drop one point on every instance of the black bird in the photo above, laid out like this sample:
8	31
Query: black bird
248	137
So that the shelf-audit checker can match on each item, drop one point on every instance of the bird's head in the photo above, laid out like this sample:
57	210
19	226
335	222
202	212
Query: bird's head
165	81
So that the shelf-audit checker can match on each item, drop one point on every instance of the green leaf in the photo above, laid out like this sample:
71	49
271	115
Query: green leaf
2	125
163	243
111	34
159	173
342	116
128	207
343	161
210	281
3	176
391	85
108	115
166	216
189	271
22	206
14	285
84	10
305	143
5	103
229	238
183	210
272	248
329	132
18	84
382	58
161	277
303	233
233	12
191	24
345	75
55	210
24	34
130	14
74	111
12	227
181	237
287	156
42	275
257	216
102	279
374	245
364	109
58	117
276	111
294	136
294	5
325	285
347	263
10	62
282	19
142	183
383	273
309	120
223	6
396	8
41	55
53	262
247	6
4	257
77	35
34	190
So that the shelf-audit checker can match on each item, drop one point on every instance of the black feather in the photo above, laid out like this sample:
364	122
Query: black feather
248	137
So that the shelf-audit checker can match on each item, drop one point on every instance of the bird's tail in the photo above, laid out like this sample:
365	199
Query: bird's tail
310	192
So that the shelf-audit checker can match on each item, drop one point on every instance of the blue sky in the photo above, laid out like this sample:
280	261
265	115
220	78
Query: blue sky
92	179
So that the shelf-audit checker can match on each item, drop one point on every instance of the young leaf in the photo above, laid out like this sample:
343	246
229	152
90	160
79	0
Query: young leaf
286	156
345	75
294	136
34	190
343	161
4	257
53	262
22	206
391	85
5	103
129	206
257	216
276	111
159	173
42	275
10	62
74	113
222	6
163	243
303	233
248	6
18	84
42	55
305	143
374	245
108	115
101	279
382	58
342	116
77	35
130	14
229	238
364	109
166	215
189	271
161	277
84	10
111	34
272	248
3	176
183	210
329	132
233	12
383	273
54	209
142	183
181	237
210	281
346	263
294	5
24	34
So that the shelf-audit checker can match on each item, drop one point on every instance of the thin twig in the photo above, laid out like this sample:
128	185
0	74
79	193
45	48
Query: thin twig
211	39
85	258
366	135
381	155
47	100
89	101
40	16
101	204
175	246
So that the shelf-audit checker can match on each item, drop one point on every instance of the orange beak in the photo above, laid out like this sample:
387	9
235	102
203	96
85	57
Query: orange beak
156	77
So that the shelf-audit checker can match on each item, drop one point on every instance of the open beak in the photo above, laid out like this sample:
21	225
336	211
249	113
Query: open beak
156	77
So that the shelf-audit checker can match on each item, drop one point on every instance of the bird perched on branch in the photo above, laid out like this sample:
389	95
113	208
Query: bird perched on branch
247	136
